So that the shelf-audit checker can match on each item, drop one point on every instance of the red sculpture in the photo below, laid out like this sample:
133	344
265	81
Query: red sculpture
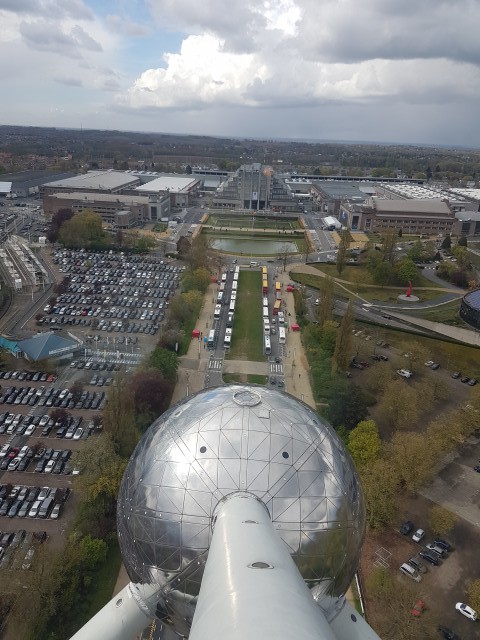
408	292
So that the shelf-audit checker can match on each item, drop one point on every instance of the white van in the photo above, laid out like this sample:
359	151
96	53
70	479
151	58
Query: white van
409	571
253	263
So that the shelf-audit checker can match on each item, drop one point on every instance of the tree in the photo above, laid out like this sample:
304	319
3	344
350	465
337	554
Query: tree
83	230
58	218
441	520
119	417
283	255
324	310
101	471
76	390
184	246
198	255
343	345
462	241
447	242
461	255
383	273
93	551
389	245
199	279
347	405
413	458
152	393
398	406
415	354
342	250
166	362
473	592
376	378
380	484
405	271
364	443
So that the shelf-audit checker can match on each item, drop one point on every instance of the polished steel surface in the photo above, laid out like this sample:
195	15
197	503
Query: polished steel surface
227	439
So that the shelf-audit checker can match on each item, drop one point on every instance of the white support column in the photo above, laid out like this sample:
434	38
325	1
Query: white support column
251	588
120	619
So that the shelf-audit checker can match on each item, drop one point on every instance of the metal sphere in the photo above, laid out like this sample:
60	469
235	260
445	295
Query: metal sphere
228	439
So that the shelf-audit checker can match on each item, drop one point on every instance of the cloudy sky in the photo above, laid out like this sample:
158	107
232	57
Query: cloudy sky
366	70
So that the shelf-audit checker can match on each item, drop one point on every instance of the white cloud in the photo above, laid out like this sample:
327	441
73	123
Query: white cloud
54	9
202	73
310	52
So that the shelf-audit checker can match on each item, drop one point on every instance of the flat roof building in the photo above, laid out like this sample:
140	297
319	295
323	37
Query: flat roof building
181	189
94	182
141	208
328	196
411	216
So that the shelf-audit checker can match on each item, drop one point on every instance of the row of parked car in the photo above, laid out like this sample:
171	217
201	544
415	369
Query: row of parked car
62	398
66	427
433	552
45	460
32	502
33	376
13	546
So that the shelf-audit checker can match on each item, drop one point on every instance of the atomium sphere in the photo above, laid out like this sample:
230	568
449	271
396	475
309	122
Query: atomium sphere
224	440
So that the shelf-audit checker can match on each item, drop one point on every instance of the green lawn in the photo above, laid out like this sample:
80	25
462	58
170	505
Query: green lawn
361	276
358	280
447	313
450	355
247	335
255	223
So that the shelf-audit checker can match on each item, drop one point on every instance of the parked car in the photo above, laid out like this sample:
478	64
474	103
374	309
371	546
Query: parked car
440	551
433	558
443	544
467	611
406	527
447	634
56	511
410	572
418	608
418	535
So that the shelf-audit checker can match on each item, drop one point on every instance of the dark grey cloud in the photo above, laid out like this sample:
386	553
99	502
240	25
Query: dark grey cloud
46	36
53	9
68	81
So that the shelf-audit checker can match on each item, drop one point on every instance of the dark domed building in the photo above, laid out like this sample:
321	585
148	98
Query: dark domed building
470	308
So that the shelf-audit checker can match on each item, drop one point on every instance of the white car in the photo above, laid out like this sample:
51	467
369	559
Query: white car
78	433
404	373
44	421
418	535
429	363
466	611
29	430
49	467
55	512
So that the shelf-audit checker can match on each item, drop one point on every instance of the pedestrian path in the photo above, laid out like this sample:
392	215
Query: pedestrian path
214	363
276	368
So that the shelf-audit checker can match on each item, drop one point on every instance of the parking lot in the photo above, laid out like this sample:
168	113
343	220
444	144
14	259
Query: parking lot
111	293
42	422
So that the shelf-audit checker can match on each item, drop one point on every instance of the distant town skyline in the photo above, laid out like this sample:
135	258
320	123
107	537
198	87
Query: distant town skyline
392	71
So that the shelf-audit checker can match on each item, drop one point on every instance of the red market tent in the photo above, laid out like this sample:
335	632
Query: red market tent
196	333
295	327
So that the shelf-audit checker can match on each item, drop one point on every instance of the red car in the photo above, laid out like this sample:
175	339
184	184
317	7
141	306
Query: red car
51	378
418	608
13	452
